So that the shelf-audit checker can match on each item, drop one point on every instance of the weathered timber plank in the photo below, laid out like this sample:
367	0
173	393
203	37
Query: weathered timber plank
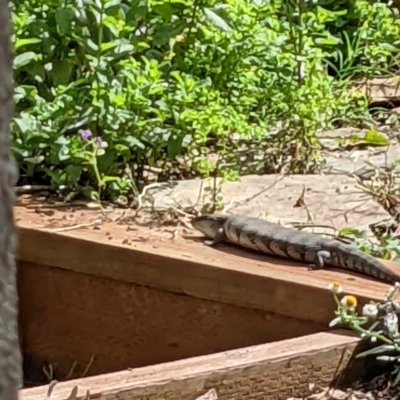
270	371
228	274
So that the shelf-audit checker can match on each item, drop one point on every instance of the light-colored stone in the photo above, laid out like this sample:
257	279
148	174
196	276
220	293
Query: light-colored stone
351	161
335	139
380	89
330	200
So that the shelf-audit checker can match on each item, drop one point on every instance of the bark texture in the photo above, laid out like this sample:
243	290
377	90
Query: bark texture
10	356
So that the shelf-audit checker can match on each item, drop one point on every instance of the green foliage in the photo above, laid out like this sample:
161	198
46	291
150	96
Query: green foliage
167	84
386	245
378	323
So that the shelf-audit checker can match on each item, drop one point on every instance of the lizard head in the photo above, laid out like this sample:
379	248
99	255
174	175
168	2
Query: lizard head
209	224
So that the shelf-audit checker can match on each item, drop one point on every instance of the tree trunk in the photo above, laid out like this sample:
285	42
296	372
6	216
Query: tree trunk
10	356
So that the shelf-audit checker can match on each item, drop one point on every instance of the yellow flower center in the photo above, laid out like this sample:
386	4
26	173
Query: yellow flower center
349	301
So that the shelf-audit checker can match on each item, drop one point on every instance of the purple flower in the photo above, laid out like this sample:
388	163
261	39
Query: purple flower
101	144
86	134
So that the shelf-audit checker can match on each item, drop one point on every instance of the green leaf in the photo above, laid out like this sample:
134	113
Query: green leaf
112	24
384	358
64	18
123	151
397	379
346	231
62	140
178	77
165	32
111	3
37	71
25	42
61	73
372	136
164	10
107	46
119	47
97	12
218	22
73	173
25	123
184	2
24	59
376	350
133	142
389	47
34	160
136	13
64	154
124	48
106	179
174	146
91	45
327	41
334	322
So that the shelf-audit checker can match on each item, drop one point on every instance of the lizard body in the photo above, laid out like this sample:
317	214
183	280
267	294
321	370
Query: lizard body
267	237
